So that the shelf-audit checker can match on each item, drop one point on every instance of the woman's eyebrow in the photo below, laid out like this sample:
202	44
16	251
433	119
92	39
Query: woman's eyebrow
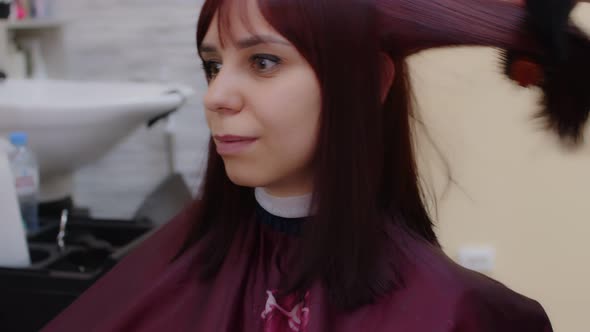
260	39
251	41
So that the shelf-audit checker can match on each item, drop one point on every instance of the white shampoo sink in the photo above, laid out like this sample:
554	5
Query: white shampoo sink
73	123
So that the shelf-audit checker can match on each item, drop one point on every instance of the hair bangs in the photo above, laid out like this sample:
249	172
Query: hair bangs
224	10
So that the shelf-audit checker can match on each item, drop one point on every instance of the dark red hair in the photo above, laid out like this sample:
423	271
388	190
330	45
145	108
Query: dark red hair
365	175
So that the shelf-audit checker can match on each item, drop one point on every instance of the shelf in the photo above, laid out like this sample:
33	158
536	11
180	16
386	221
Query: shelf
35	24
49	32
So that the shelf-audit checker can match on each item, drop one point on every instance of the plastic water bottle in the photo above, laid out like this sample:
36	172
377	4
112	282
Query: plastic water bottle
26	178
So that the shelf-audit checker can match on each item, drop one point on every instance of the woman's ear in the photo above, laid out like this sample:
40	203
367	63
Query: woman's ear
387	74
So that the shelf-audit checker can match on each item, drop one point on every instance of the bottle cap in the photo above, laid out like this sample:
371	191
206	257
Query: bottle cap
18	138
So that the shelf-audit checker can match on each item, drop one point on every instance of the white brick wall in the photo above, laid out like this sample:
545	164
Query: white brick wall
137	40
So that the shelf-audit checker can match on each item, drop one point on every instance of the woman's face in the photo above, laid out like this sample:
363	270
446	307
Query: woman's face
262	105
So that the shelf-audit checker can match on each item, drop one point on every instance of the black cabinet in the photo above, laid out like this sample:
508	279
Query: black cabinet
31	297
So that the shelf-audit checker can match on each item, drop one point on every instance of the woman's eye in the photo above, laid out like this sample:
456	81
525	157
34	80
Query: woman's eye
211	68
265	63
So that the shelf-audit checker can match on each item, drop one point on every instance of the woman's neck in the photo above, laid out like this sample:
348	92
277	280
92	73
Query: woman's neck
286	207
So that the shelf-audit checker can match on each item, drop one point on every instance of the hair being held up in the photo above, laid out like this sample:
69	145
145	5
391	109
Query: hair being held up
542	47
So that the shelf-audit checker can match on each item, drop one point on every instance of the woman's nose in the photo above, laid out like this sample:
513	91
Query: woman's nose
223	94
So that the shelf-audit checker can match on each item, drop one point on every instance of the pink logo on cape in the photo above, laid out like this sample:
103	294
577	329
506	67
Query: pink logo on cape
285	315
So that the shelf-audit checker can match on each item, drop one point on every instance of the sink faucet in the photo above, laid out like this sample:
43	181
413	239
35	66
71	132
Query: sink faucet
62	230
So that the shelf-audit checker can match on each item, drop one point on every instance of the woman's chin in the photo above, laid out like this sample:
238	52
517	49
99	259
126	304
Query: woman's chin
245	179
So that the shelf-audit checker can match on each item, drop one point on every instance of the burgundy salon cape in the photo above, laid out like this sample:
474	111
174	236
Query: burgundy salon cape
147	293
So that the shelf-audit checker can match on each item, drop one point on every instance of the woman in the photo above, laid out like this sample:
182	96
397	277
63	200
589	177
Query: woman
311	217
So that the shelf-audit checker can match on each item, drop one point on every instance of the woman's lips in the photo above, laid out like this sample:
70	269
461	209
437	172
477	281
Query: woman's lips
232	144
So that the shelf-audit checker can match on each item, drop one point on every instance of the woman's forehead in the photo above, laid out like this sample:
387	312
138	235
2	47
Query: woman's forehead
238	20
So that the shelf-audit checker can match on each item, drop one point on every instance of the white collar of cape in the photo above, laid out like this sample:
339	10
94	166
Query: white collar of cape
286	207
